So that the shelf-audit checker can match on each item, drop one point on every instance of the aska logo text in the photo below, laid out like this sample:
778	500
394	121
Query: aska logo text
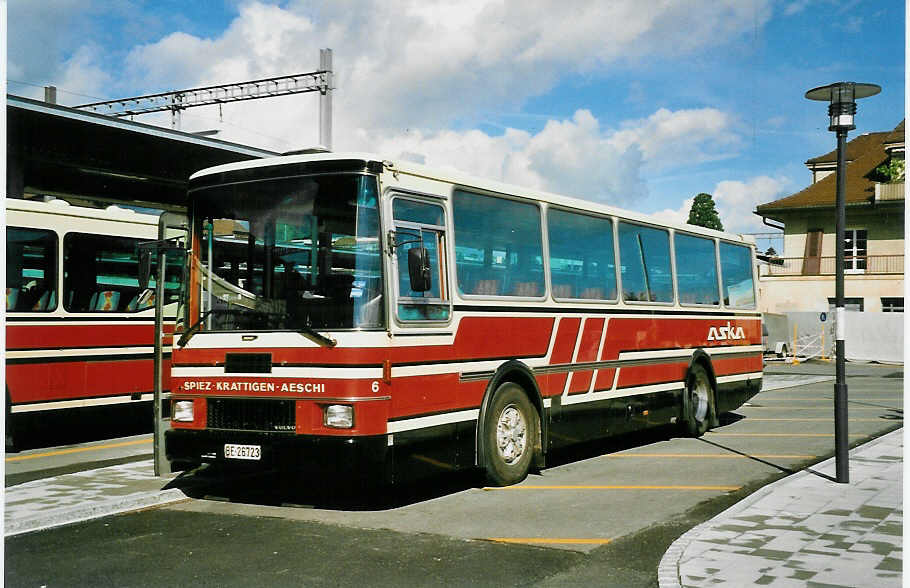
725	333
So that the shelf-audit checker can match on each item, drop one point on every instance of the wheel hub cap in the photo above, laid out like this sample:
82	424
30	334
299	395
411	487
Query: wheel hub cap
511	434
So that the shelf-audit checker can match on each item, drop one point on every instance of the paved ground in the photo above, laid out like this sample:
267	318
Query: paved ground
80	496
780	431
804	530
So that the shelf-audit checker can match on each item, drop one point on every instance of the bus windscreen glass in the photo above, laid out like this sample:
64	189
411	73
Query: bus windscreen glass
290	254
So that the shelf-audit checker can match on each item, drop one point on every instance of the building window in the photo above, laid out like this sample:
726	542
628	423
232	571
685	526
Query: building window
813	257
893	304
851	304
855	251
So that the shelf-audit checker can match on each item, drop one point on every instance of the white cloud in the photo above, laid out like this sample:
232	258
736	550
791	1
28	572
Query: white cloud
796	7
402	64
575	157
40	34
668	139
679	215
406	71
735	200
81	74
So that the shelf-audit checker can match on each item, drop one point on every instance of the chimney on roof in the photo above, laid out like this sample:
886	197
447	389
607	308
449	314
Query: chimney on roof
50	94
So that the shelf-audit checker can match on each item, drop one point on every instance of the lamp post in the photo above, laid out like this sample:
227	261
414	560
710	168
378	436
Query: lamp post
842	97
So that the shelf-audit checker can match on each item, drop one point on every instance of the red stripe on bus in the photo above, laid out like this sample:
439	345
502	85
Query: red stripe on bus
652	374
477	338
78	336
587	351
65	380
563	347
737	365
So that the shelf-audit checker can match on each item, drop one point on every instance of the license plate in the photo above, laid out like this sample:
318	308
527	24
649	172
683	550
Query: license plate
234	451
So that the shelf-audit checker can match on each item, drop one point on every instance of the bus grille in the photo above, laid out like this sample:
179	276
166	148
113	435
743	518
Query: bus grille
243	414
250	363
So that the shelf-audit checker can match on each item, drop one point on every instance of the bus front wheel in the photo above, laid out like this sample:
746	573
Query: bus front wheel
698	402
511	429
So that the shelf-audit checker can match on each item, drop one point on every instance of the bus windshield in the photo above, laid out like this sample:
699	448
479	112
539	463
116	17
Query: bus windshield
292	253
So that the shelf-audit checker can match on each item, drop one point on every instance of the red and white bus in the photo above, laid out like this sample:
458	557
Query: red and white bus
382	319
79	329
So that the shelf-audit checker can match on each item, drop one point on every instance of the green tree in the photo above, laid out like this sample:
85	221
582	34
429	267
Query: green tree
704	214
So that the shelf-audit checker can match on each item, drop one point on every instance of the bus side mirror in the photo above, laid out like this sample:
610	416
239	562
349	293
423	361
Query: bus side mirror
145	268
419	269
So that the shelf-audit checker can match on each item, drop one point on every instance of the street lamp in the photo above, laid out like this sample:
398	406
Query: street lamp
842	97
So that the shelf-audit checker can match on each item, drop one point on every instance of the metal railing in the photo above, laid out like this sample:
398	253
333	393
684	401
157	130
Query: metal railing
884	192
826	266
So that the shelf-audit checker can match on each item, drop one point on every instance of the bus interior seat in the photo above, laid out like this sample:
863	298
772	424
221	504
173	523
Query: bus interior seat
12	297
43	302
528	289
562	290
486	287
106	300
593	293
142	300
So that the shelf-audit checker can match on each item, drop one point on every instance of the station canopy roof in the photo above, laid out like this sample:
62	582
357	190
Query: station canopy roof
76	155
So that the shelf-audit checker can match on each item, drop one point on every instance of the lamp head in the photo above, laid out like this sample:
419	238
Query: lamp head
842	97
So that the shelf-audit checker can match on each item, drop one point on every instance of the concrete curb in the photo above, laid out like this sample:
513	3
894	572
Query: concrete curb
66	516
668	569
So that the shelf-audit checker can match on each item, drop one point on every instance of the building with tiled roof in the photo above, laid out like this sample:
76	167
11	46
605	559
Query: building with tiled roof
803	278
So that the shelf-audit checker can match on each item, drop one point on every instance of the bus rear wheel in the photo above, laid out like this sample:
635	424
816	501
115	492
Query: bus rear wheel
511	429
698	402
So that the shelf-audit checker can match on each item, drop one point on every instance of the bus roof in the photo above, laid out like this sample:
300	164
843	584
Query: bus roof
455	177
62	207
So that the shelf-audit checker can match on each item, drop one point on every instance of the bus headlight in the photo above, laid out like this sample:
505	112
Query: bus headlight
183	411
339	416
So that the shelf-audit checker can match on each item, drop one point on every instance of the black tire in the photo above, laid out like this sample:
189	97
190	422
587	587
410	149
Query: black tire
511	430
697	402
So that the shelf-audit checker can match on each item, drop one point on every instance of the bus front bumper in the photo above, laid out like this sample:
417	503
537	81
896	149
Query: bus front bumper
361	456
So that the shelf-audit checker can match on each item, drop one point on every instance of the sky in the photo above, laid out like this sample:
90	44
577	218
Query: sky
640	104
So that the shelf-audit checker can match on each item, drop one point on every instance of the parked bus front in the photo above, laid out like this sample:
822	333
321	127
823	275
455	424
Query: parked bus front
285	282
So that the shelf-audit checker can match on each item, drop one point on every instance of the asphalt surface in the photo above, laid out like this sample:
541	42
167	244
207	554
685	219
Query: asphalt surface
602	514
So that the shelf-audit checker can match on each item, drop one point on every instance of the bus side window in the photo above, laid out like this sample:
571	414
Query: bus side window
645	260
498	246
31	270
100	274
736	274
581	256
421	224
696	270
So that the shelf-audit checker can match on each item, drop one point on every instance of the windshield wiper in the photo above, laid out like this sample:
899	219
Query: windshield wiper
305	330
316	337
185	337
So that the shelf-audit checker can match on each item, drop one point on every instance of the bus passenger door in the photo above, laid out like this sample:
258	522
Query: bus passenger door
422	304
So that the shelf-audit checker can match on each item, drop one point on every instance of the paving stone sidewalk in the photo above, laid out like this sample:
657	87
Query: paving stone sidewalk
81	496
804	530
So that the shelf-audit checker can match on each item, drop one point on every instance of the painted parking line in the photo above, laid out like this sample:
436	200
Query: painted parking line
821	407
809	420
709	456
550	540
616	487
802	398
713	434
77	450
